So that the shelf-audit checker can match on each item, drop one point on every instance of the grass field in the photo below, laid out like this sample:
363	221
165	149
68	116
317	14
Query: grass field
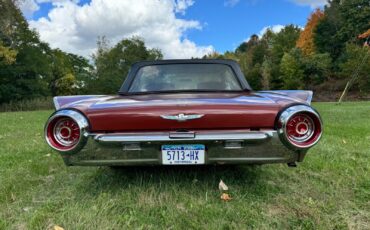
329	190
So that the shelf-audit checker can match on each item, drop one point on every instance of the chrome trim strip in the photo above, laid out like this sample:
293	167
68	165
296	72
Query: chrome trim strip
249	159
189	135
116	161
164	136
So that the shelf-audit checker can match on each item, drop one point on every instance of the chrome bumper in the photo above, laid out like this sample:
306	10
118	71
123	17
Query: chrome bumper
222	147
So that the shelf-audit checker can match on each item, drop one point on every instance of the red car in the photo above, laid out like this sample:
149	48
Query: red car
184	112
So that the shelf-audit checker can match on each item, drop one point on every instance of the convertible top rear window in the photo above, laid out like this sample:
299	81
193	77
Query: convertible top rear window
185	77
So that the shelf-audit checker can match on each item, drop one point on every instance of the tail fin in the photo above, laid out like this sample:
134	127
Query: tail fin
62	101
302	95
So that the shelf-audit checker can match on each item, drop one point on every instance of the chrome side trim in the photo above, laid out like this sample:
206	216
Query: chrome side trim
189	135
82	122
284	118
165	137
246	159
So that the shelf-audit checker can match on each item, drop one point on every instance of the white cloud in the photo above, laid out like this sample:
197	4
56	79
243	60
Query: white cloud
182	5
75	28
28	7
274	28
231	3
312	3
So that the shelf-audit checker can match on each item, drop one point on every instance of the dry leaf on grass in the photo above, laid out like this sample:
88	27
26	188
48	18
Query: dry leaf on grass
56	227
225	197
222	186
224	189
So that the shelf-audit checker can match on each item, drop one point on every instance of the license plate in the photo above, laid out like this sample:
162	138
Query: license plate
183	154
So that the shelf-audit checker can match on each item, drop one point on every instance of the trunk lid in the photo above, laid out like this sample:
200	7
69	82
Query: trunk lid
215	111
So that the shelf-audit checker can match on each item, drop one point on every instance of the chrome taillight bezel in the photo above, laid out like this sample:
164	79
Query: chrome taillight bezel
50	135
289	113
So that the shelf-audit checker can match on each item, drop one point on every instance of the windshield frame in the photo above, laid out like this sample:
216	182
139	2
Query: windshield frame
125	88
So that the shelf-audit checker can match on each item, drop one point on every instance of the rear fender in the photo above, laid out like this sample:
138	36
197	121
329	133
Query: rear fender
65	101
304	96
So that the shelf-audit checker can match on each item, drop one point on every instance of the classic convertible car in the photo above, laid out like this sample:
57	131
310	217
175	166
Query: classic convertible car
184	112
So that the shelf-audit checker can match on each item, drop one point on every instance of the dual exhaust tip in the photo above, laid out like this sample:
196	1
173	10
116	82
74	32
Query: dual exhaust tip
299	127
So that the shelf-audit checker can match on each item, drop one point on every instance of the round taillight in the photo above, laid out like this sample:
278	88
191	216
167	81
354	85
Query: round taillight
65	130
300	127
302	130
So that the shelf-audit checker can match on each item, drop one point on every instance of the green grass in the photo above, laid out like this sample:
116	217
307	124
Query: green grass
329	190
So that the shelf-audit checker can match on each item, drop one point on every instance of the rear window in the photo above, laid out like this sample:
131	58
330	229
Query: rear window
185	77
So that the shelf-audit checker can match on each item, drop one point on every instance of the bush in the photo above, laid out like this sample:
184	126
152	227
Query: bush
44	103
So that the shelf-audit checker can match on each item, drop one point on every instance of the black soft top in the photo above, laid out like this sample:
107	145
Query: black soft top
136	66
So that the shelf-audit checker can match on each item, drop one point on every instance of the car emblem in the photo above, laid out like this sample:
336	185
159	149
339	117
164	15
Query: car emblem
182	117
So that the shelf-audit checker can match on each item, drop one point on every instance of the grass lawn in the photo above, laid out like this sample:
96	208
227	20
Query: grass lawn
329	190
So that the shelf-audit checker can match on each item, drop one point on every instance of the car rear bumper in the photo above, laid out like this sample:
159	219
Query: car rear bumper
222	147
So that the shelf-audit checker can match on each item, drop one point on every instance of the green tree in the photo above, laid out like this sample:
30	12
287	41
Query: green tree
343	21
355	67
284	41
291	70
316	68
113	64
7	55
27	76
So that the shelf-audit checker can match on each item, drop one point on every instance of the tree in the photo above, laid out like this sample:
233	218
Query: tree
284	41
266	72
306	39
246	46
316	68
29	68
291	70
356	67
343	21
113	64
7	55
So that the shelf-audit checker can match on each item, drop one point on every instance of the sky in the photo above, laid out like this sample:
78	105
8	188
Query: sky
179	28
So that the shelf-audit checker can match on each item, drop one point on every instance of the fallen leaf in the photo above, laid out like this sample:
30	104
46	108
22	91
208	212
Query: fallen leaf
222	186
26	209
56	227
225	197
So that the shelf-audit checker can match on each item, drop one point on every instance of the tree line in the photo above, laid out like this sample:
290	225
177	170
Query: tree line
326	54
323	54
30	69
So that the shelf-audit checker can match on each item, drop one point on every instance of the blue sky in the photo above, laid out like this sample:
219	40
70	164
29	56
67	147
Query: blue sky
189	27
225	27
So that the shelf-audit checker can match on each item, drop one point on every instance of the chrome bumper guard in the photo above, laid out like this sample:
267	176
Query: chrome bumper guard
222	147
